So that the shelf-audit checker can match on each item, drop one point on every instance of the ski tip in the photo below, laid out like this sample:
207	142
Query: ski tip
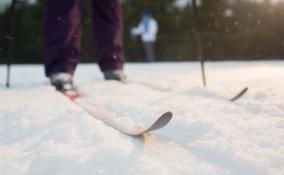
161	122
245	89
168	116
240	94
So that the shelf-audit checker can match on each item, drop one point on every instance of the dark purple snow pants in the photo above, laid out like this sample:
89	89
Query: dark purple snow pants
63	35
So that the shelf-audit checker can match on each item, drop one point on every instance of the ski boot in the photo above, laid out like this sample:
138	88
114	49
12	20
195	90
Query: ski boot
63	82
118	75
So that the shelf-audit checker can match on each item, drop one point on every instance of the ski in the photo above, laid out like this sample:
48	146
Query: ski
99	112
239	95
233	99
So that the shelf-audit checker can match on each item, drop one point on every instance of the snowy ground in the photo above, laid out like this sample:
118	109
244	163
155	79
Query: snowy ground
43	133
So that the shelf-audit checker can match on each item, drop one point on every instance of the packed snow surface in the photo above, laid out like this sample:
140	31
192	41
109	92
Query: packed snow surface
44	133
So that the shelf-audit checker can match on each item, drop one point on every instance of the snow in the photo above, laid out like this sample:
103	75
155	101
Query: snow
42	132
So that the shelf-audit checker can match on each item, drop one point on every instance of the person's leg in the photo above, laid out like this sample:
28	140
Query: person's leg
149	51
62	36
108	29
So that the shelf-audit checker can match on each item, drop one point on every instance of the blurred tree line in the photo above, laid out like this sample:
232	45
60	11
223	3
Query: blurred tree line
230	30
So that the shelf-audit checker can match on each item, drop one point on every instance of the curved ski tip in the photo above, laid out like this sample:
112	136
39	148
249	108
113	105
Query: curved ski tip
245	89
162	121
240	94
168	115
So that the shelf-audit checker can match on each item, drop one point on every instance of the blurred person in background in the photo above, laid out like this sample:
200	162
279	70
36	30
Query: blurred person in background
147	29
63	40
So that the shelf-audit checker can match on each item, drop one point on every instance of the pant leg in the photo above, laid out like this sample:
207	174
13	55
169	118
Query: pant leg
62	36
149	48
108	29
